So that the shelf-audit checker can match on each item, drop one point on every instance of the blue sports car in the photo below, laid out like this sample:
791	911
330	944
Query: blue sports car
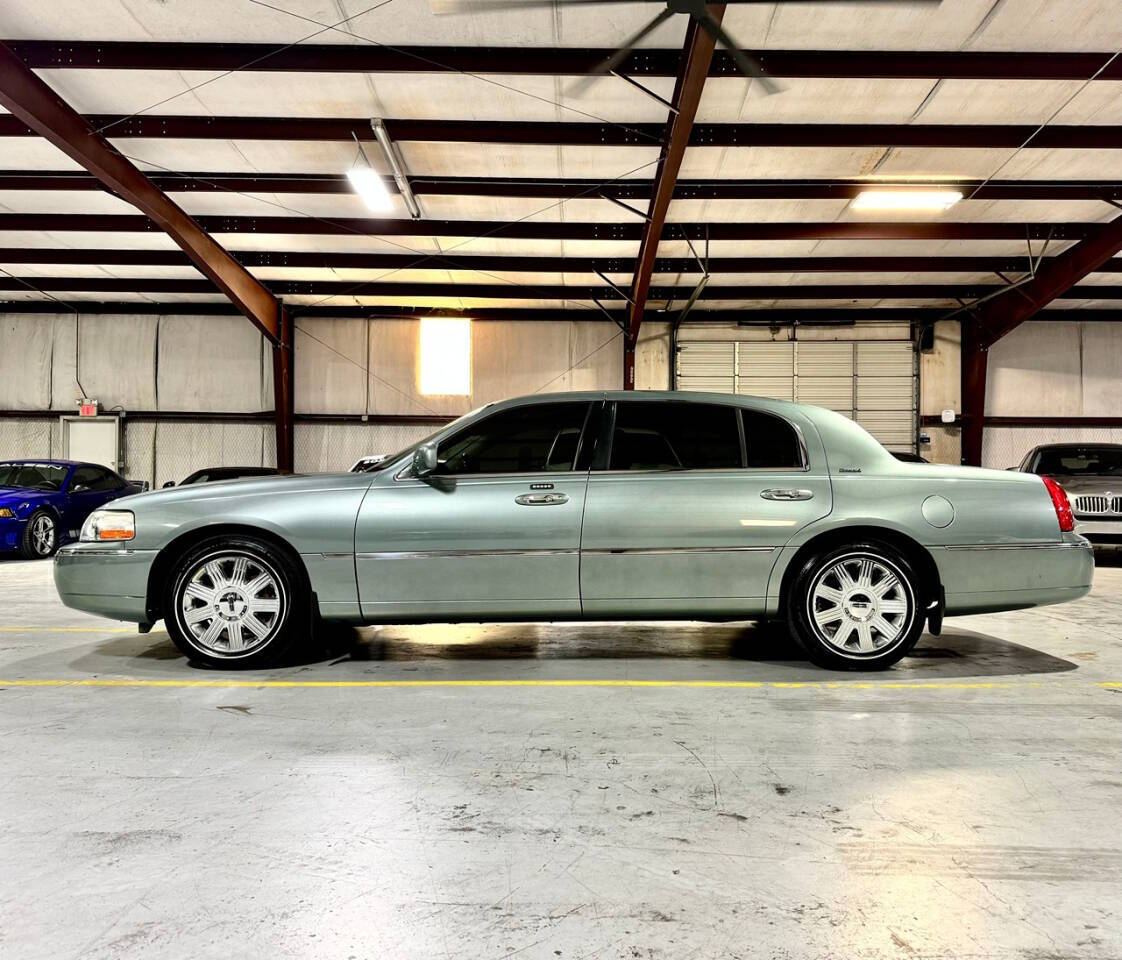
43	503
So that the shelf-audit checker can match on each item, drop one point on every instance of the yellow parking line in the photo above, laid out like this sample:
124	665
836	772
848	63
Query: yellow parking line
717	684
67	629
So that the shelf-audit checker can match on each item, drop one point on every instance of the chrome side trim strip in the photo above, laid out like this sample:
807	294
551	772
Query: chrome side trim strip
429	554
67	551
657	551
1016	546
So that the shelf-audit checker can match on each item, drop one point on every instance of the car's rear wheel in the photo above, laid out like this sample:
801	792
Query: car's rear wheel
235	602
40	536
856	607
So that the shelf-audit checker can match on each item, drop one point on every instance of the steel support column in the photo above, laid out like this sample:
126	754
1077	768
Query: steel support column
697	55
975	358
284	407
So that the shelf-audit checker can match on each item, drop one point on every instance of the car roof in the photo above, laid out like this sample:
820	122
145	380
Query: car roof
1077	443
51	462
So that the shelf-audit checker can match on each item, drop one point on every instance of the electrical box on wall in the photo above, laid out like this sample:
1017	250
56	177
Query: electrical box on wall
92	439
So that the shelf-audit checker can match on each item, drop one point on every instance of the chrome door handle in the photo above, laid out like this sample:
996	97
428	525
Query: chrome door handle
776	493
541	499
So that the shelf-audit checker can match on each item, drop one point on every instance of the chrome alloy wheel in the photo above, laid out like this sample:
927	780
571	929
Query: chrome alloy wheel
861	605
231	604
43	535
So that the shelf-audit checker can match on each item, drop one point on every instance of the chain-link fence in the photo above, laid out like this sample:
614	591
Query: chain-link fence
329	447
29	437
1006	446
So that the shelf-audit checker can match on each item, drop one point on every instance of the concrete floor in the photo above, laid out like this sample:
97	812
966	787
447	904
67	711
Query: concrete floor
966	804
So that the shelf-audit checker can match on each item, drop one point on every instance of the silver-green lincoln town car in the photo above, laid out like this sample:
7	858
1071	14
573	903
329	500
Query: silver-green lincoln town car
591	506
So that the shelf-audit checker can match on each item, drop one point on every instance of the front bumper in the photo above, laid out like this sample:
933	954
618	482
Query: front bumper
1100	531
11	533
109	581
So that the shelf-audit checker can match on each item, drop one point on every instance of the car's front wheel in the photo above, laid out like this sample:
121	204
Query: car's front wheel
856	607
40	536
235	602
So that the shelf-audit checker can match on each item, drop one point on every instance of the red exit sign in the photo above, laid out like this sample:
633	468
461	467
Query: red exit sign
87	408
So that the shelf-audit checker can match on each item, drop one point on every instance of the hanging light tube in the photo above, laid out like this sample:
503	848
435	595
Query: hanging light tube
396	167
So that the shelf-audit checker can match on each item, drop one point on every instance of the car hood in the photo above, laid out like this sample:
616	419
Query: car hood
14	496
245	487
1090	484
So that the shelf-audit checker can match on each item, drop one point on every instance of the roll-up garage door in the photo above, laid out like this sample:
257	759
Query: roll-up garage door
871	381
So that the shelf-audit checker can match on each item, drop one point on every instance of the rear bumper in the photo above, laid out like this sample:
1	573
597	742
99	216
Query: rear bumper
110	582
986	578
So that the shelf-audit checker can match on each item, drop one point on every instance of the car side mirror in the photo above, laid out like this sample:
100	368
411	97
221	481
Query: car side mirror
169	483
424	460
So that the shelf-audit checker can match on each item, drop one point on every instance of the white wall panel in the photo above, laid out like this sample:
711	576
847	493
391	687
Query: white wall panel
508	359
115	360
330	366
1036	371
1102	369
212	364
25	371
652	357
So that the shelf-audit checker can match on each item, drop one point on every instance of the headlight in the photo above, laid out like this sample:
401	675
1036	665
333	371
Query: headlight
108	525
6	514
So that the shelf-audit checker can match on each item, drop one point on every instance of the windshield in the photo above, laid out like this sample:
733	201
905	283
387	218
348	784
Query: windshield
1080	461
33	476
393	458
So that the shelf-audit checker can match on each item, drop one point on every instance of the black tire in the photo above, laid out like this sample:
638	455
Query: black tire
819	597
251	611
40	536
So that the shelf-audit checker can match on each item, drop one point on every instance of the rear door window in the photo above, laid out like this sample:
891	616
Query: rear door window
675	435
771	442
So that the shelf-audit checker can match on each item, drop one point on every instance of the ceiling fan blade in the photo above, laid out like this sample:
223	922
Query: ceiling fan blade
613	62
750	66
849	3
442	7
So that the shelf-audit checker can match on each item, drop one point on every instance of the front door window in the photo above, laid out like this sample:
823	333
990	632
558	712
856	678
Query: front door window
531	439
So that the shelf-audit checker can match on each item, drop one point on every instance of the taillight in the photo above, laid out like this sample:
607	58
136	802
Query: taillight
1061	503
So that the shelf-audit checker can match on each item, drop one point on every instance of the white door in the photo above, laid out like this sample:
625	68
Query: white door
92	440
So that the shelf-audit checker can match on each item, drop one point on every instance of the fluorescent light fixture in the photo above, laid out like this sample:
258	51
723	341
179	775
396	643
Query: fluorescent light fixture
445	356
918	201
371	187
396	167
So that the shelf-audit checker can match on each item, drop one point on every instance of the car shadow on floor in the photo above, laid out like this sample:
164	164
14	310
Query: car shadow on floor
1108	556
670	650
957	653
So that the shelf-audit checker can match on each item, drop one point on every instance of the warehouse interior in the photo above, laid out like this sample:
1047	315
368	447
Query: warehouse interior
184	242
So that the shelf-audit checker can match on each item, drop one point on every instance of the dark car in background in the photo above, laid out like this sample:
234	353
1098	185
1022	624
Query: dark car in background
43	503
1091	473
214	474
